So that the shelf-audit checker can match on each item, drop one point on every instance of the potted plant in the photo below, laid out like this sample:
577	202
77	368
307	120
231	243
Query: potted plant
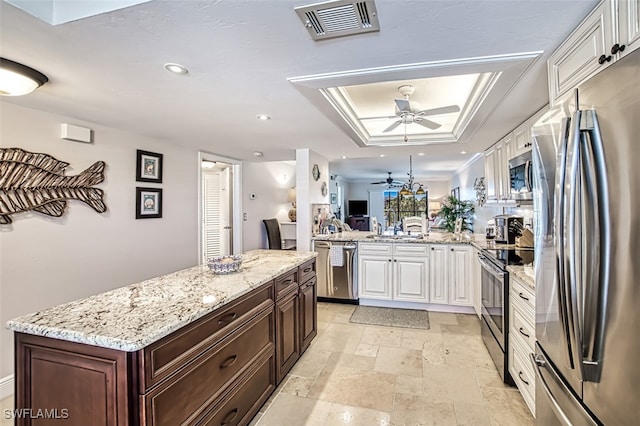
452	208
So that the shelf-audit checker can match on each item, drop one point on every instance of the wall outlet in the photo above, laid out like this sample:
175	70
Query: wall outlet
244	217
252	196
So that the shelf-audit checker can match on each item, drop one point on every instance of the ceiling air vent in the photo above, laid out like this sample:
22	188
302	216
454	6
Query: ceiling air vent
339	18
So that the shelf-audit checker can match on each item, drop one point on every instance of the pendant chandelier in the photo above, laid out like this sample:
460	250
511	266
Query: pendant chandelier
407	189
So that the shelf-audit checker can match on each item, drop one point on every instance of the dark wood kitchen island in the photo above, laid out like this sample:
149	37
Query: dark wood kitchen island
189	347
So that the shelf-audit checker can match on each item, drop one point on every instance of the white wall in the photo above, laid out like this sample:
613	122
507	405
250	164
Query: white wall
308	192
270	182
47	261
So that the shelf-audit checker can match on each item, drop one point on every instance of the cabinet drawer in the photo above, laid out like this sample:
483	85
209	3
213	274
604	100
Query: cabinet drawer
523	328
307	271
523	296
184	398
167	355
245	399
411	249
375	249
524	376
286	282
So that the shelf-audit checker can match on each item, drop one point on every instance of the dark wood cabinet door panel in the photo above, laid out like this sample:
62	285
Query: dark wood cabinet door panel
307	271
288	332
308	313
286	282
76	384
183	398
164	357
245	399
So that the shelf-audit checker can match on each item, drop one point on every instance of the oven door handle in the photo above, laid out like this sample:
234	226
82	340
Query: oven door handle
490	268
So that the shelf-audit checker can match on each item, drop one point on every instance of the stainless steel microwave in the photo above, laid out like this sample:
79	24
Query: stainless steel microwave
521	177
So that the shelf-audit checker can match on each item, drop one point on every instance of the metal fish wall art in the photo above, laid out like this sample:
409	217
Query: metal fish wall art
33	181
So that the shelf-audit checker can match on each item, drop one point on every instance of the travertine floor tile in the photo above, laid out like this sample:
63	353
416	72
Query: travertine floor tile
444	383
382	336
471	414
421	410
399	361
6	404
355	374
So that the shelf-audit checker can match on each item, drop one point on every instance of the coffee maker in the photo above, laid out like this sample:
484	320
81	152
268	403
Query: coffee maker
507	228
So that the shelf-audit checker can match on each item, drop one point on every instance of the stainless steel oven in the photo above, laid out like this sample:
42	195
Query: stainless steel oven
495	311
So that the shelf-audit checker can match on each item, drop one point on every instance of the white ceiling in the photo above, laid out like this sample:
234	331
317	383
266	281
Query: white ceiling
241	54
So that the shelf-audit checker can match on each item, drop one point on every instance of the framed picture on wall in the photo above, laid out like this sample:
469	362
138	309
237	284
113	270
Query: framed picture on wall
455	192
148	166
148	203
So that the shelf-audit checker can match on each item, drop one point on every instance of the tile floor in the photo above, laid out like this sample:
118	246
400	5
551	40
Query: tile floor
366	375
355	374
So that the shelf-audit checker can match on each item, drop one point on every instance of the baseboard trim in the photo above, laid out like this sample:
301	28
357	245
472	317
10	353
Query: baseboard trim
6	386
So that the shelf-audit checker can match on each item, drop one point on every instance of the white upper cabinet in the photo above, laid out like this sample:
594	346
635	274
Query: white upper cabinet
607	34
490	169
522	139
628	25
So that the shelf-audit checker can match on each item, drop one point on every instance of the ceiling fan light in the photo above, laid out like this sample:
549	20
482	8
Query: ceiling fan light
420	191
17	79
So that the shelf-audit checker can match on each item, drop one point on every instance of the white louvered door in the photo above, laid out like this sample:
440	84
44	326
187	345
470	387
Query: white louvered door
217	213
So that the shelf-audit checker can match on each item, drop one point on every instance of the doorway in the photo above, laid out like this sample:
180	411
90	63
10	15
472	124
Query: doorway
219	206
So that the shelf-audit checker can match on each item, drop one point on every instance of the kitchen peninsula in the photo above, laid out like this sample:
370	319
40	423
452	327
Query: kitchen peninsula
189	346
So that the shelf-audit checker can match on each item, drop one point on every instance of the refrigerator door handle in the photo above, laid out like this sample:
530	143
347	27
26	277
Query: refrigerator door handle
597	258
538	361
560	228
572	217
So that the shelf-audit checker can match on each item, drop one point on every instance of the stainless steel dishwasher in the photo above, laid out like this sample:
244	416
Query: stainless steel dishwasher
336	282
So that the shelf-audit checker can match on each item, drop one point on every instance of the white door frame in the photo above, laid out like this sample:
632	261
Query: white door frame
236	166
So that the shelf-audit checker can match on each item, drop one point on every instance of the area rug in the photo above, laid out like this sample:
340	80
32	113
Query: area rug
390	317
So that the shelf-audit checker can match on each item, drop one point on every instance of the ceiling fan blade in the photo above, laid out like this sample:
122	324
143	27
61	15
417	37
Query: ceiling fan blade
403	105
441	110
428	123
386	117
393	126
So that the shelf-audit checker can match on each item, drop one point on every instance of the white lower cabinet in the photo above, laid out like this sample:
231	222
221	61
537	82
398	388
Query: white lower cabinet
451	280
522	339
476	283
391	271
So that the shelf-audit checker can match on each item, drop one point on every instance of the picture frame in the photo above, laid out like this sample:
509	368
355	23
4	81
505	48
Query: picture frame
148	166
334	198
148	203
458	226
455	192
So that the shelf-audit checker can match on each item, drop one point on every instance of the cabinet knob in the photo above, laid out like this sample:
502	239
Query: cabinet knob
602	59
451	249
617	48
432	248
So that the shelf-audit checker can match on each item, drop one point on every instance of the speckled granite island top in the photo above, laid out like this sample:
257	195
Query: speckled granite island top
132	317
372	237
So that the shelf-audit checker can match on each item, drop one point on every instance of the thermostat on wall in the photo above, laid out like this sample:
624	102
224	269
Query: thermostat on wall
75	133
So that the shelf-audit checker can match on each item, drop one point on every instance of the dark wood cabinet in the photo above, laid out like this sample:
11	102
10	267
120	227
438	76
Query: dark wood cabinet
217	370
288	332
85	385
308	313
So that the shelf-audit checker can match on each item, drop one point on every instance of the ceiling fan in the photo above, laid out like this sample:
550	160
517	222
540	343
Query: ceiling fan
409	112
389	181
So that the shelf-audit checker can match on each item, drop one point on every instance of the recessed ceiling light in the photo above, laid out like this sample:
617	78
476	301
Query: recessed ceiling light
381	155
258	154
421	153
263	117
176	68
463	152
343	157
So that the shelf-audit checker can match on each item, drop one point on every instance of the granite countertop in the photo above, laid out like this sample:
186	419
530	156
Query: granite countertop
521	275
132	317
372	237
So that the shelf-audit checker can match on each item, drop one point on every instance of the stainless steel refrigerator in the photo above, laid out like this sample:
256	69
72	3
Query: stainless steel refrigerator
587	260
